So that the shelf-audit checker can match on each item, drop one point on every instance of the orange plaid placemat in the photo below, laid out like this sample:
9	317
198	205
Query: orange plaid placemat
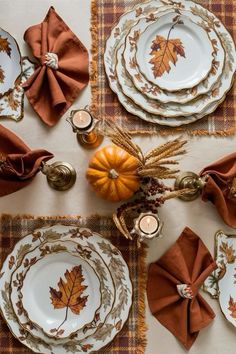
132	338
105	105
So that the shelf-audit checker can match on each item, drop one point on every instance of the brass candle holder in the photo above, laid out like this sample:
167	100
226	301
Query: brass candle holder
60	175
84	124
233	188
191	181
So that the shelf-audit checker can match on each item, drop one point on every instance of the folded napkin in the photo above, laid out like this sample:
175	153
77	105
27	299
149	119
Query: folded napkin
172	288
218	187
63	69
18	164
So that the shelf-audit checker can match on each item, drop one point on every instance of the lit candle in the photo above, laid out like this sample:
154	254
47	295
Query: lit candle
82	119
148	224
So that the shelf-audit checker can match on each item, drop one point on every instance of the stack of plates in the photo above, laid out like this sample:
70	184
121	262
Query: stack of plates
65	290
170	63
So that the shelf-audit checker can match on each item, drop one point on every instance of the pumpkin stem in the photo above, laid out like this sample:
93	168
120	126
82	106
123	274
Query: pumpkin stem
113	174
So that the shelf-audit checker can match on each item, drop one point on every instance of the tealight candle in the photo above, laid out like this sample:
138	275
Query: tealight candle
82	119
148	224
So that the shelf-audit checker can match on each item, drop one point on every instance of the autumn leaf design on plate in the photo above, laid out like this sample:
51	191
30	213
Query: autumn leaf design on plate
232	307
69	295
165	51
2	76
5	46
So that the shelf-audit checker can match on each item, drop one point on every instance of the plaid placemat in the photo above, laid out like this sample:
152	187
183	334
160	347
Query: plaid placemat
132	338
105	105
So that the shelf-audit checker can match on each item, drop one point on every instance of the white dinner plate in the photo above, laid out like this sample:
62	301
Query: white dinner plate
153	91
107	290
174	53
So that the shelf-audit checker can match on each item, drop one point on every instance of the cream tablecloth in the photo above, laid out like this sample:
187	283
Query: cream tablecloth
39	199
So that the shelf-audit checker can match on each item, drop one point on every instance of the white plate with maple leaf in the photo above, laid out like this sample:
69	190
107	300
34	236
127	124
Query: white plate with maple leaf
10	62
107	290
60	293
113	260
151	90
174	53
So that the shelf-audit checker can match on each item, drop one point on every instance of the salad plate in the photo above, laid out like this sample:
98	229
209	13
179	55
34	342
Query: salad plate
113	259
10	59
174	53
60	293
155	92
93	259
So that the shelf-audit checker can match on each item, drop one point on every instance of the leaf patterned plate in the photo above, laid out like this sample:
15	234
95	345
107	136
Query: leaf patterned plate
12	103
10	59
170	109
94	260
174	53
113	259
222	283
120	31
153	91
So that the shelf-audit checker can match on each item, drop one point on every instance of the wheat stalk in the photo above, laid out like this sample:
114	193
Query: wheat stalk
177	193
123	139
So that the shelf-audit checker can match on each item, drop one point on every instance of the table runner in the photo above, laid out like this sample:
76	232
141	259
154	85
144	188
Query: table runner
105	105
132	338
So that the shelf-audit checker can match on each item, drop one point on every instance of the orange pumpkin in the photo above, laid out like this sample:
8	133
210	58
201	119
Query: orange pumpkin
113	174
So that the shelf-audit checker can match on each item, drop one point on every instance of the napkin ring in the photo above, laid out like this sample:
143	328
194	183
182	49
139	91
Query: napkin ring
51	60
185	291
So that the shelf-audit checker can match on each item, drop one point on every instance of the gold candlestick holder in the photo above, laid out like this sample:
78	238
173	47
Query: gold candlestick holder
88	136
190	180
233	188
60	175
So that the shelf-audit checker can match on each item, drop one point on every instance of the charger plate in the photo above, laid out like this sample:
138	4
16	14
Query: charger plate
93	259
153	91
113	260
174	53
10	59
121	29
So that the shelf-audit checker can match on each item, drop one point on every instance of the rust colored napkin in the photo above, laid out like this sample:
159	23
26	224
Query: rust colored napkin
63	69
218	187
18	164
172	288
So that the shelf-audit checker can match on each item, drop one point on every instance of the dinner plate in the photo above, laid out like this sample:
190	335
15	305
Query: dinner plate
153	91
12	103
113	260
121	29
91	257
10	59
174	53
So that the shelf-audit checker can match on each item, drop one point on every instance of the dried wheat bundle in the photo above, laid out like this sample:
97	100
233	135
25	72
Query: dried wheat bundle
155	162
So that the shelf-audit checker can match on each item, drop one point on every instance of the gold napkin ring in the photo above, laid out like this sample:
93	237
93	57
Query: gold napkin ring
51	60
